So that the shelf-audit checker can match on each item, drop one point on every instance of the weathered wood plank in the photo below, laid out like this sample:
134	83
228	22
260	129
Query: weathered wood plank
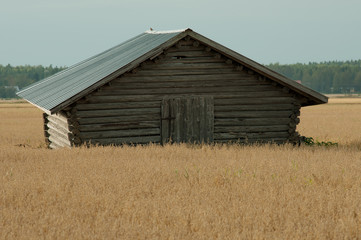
134	78
236	135
248	101
172	120
61	115
119	119
187	90
268	107
254	114
58	121
56	141
165	126
203	119
195	111
119	126
179	119
196	44
126	140
188	127
187	66
45	128
209	119
58	128
117	112
60	135
252	141
181	115
192	60
188	84
252	96
53	145
185	43
251	129
45	118
71	127
185	54
250	121
120	133
124	105
185	48
123	99
145	72
57	138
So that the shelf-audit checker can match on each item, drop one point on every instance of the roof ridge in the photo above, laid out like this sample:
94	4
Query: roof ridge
167	31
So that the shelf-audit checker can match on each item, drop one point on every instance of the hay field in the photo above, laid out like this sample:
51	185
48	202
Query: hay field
183	192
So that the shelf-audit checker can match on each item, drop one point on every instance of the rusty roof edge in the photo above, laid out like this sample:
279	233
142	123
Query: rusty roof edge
317	97
120	71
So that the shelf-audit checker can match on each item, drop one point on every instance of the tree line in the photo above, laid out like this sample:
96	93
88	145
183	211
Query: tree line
13	78
325	77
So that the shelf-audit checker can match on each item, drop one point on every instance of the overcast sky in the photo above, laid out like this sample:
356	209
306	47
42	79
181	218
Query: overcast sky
65	32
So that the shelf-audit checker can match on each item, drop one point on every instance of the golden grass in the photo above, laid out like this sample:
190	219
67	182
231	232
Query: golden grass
182	192
338	121
11	101
20	124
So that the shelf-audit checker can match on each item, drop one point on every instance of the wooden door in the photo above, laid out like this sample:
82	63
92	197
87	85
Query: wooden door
187	119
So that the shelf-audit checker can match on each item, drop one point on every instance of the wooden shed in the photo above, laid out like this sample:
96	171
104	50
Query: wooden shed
169	86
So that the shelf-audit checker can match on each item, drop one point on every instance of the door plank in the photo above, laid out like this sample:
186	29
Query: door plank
165	121
196	120
188	119
209	119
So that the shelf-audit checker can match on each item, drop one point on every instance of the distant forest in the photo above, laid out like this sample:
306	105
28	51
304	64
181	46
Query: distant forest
14	78
324	77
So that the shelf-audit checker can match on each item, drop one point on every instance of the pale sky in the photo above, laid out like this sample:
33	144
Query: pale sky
65	32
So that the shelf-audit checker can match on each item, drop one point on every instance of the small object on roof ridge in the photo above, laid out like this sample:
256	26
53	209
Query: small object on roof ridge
164	32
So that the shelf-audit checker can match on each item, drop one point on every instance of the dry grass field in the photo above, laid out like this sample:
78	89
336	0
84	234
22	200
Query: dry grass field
183	192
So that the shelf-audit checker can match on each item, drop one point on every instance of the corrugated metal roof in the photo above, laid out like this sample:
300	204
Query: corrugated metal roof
54	90
58	91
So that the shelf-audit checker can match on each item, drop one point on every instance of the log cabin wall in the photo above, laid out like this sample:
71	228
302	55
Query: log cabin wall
247	107
60	130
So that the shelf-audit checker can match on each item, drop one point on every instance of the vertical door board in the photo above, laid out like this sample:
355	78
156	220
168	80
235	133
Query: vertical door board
165	122
187	119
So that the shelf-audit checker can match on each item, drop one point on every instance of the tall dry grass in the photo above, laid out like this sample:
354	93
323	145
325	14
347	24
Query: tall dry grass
180	192
338	121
